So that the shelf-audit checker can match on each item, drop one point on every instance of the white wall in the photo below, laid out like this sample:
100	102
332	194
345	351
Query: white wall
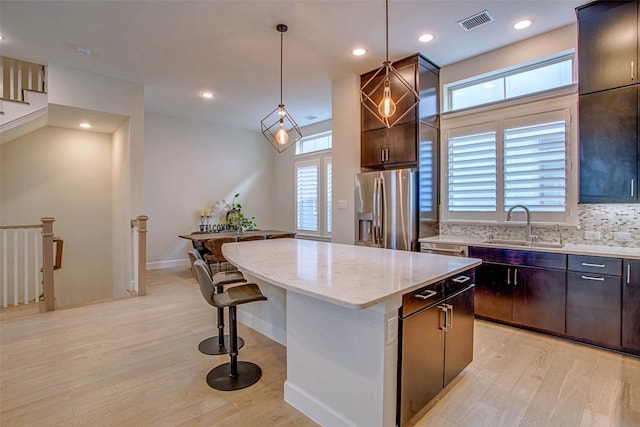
82	89
190	165
345	105
518	53
65	174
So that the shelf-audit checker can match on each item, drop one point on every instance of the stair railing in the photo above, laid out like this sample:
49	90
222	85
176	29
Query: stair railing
139	255
18	76
27	261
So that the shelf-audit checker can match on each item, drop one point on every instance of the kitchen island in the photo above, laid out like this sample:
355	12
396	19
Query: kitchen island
335	307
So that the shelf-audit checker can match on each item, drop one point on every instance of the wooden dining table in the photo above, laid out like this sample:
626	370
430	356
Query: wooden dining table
203	237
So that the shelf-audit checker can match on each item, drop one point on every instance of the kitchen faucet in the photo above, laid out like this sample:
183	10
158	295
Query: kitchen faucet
528	235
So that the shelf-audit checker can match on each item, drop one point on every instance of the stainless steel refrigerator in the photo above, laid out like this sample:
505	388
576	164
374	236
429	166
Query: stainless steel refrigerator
386	209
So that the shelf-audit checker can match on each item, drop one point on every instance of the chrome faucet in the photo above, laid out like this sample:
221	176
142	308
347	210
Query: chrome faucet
528	235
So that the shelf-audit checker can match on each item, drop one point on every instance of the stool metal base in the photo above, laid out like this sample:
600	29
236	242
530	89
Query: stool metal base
220	377
212	346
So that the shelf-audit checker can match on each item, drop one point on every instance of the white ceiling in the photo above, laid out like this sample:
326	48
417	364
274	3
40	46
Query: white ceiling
179	48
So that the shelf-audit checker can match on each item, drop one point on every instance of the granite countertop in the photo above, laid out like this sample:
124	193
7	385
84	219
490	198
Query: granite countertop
567	248
351	276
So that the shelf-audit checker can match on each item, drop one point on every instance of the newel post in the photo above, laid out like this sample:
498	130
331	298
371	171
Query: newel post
47	265
142	254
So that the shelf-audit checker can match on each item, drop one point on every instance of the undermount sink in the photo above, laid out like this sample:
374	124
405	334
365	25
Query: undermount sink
523	243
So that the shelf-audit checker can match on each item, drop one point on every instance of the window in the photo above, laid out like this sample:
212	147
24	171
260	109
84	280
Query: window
525	80
313	185
520	156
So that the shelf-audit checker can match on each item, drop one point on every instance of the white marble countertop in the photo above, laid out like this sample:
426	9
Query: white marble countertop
568	248
348	275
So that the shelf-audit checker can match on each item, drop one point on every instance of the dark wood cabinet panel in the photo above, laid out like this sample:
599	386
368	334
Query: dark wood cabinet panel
609	146
607	45
631	306
459	338
494	293
394	145
594	308
539	298
428	197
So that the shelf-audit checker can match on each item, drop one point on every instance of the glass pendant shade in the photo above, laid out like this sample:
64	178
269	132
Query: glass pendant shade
282	136
387	107
376	95
279	127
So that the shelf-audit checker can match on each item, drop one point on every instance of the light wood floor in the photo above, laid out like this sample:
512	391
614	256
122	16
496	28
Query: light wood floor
134	362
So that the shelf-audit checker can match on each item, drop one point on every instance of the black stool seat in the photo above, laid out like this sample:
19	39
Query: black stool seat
209	286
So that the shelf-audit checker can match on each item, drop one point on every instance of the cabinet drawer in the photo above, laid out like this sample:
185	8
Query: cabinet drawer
519	257
595	265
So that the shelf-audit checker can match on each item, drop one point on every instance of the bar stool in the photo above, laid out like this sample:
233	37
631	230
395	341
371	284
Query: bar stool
194	255
215	246
209	286
233	375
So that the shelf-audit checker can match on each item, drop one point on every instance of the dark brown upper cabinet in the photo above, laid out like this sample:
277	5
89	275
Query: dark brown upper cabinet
607	45
609	146
609	103
383	147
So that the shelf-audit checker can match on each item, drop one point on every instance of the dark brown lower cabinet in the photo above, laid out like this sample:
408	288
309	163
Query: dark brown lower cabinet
594	300
520	289
539	298
631	306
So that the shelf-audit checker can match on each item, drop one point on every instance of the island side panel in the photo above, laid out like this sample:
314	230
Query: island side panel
342	362
267	317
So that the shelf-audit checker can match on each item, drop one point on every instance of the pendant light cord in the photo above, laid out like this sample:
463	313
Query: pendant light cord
387	28
281	49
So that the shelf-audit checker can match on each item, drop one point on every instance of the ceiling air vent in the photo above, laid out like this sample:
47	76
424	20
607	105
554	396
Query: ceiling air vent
476	20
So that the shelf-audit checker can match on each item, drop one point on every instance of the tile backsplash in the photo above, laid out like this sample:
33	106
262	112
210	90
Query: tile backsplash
618	225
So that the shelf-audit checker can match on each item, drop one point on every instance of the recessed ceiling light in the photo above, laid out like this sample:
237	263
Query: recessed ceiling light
207	95
521	25
425	38
359	51
1	37
85	125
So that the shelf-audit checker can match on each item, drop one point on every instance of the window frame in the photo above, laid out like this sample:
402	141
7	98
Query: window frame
321	159
449	88
511	112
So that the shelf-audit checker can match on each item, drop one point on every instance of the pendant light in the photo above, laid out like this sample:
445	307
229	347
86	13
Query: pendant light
279	127
385	108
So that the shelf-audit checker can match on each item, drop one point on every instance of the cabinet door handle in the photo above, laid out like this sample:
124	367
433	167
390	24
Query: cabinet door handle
598	279
588	264
445	310
633	187
450	323
628	273
425	295
382	155
386	154
508	276
461	279
515	277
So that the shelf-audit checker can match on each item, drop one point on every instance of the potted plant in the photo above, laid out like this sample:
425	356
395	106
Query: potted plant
237	219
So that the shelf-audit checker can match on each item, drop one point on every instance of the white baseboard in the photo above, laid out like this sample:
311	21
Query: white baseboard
312	407
168	264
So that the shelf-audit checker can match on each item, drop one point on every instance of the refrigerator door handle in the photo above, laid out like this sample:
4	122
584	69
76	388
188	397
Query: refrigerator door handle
376	212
